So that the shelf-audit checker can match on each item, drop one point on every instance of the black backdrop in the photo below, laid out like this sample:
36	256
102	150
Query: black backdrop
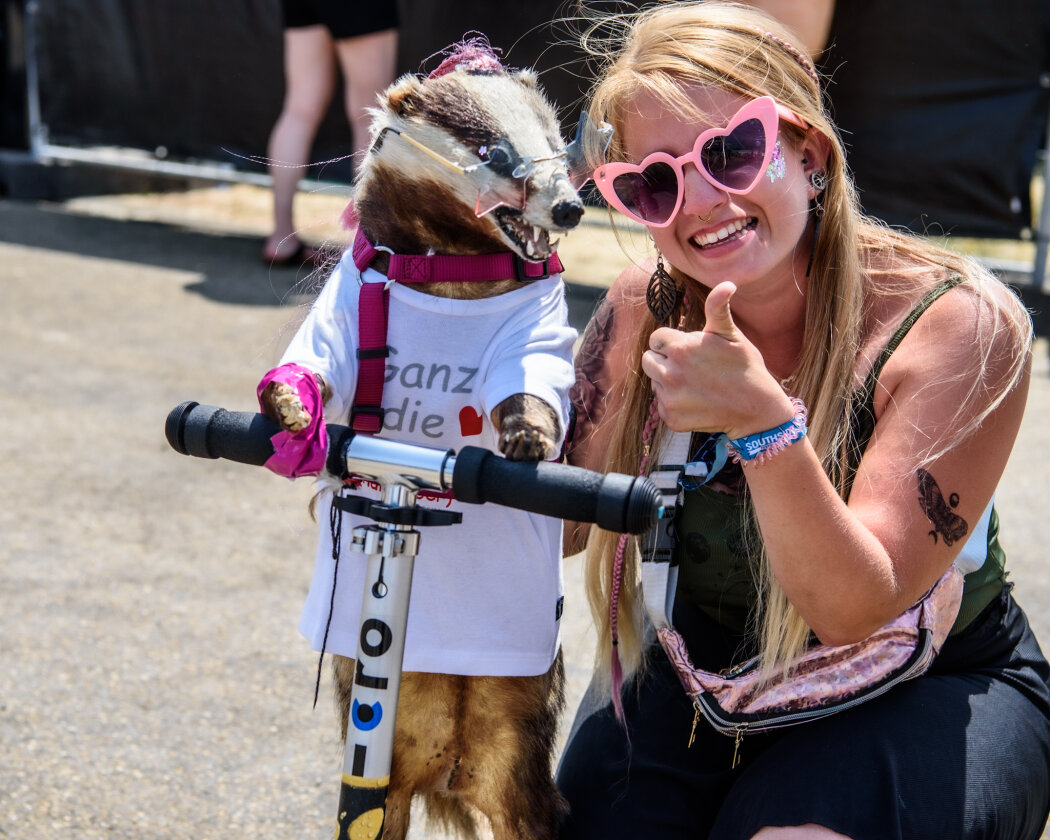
200	79
943	106
942	102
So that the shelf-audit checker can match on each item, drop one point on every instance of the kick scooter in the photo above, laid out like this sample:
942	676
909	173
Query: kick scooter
616	502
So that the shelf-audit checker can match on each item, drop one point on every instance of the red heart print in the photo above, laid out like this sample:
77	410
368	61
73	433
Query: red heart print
469	421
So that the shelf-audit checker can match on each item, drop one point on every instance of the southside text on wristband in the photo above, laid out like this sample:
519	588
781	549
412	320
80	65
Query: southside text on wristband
762	446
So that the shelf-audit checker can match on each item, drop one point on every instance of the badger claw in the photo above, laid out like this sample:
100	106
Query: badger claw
292	415
526	444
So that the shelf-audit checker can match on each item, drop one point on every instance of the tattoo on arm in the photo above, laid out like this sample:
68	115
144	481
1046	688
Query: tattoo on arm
588	394
948	524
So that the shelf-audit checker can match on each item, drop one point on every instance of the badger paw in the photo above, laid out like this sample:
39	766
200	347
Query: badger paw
528	428
292	415
527	444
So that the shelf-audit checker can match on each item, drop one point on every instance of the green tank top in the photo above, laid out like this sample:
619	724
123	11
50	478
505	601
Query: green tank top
717	547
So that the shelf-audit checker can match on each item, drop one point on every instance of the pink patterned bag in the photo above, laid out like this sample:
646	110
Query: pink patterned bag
822	681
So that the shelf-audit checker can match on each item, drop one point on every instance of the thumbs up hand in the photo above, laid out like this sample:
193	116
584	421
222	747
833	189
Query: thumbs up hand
718	317
714	380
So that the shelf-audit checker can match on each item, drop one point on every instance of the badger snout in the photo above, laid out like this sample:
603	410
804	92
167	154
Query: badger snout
552	206
566	214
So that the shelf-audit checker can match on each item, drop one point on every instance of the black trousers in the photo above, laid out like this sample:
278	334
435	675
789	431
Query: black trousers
961	752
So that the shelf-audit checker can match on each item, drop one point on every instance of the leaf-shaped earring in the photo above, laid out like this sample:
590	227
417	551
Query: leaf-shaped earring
663	294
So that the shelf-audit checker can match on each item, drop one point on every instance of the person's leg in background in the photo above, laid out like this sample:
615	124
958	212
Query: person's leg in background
310	73
369	63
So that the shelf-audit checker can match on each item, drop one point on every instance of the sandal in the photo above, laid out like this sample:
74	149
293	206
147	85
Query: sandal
301	255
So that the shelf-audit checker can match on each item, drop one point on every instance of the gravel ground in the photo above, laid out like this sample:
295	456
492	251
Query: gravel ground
152	681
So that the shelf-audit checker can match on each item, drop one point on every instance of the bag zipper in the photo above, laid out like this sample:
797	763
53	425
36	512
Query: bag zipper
741	728
738	730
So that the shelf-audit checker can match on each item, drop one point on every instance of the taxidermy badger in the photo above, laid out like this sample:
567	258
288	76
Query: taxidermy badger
466	162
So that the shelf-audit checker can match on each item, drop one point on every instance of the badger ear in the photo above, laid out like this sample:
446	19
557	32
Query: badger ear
527	77
402	96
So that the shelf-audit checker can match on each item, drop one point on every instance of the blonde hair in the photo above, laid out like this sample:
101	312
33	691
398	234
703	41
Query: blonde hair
663	52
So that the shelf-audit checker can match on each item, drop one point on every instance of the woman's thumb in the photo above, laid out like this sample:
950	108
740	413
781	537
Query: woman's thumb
719	319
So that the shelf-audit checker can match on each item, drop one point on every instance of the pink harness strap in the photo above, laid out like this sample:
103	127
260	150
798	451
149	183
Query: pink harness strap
366	414
438	268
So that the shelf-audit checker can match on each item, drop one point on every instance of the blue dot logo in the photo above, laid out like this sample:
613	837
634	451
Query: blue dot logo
366	717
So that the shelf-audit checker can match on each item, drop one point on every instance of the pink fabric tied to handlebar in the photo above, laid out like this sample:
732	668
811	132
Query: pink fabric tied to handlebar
304	452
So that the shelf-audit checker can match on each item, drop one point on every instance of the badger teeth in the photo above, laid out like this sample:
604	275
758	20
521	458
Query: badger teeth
530	240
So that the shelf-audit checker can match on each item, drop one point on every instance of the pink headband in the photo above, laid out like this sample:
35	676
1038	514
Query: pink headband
797	54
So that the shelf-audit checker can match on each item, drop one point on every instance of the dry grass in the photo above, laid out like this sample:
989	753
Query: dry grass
593	253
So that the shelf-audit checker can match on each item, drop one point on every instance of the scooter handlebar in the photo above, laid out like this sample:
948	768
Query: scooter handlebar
614	501
206	431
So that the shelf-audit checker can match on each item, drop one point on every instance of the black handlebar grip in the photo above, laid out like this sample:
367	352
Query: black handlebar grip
615	502
206	431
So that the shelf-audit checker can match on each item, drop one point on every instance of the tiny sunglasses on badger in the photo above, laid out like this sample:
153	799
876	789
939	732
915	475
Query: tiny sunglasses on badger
502	158
732	159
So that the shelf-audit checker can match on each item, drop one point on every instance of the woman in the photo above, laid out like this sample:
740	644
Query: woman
771	297
323	38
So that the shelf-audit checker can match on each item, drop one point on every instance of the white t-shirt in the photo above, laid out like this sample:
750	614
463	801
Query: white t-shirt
486	593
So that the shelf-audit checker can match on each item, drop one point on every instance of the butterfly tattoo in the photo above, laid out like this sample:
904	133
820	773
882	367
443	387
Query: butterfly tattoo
948	524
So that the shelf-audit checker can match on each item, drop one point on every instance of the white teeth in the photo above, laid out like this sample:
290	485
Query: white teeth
721	234
530	248
536	232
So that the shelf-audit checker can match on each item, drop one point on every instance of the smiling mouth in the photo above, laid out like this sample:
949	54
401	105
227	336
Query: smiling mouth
733	230
530	241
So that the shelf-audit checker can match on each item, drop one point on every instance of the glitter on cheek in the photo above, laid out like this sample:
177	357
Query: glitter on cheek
777	166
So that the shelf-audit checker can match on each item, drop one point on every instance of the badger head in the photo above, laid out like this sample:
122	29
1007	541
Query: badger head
467	161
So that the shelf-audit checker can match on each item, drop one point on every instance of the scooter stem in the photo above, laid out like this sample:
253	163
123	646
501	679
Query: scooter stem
391	550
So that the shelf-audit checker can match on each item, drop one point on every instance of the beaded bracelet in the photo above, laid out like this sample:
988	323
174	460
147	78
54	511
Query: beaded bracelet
762	446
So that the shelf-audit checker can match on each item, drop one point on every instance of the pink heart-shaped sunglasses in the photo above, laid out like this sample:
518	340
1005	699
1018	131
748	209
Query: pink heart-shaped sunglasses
732	159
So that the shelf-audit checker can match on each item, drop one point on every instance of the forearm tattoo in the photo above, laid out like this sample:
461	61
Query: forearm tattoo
948	524
588	394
